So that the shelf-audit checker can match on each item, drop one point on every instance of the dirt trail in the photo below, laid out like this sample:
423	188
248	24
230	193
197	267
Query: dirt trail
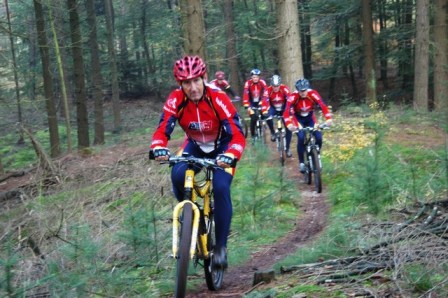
311	221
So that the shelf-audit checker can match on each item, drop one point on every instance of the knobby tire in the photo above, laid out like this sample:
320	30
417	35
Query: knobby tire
262	134
213	275
308	166
183	258
259	132
282	150
316	171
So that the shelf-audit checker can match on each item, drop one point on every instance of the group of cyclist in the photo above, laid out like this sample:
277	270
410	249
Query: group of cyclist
211	124
296	108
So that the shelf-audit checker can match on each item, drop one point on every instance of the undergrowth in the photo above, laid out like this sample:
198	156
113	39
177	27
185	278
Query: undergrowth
108	232
370	168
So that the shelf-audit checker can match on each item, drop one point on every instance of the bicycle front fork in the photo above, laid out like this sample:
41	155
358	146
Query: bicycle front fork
176	224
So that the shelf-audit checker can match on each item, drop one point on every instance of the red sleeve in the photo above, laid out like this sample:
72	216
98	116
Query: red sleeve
265	104
227	111
265	87
246	90
167	119
287	115
285	90
315	96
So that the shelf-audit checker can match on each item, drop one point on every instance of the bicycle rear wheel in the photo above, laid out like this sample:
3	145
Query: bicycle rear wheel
183	258
316	171
213	275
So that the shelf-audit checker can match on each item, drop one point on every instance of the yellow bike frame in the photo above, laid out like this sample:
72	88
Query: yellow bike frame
198	190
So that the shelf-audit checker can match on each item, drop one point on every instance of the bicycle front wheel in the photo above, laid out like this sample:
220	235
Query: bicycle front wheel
282	149
316	171
183	258
308	170
213	275
263	133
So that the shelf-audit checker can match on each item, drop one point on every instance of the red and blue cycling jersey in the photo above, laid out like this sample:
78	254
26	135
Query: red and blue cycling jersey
275	100
302	107
211	123
253	93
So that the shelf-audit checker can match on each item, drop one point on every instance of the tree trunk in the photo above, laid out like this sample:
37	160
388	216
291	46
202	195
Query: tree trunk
14	65
55	149
113	65
79	80
62	77
369	66
290	53
148	66
406	67
32	62
60	34
193	26
335	66
49	171
305	29
123	58
441	57
382	13
97	93
350	62
421	72
231	46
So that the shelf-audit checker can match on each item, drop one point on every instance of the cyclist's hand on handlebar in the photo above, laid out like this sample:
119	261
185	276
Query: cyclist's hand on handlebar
292	127
159	153
226	160
249	111
329	122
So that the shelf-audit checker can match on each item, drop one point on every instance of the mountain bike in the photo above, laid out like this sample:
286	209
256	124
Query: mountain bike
193	224
313	163
280	138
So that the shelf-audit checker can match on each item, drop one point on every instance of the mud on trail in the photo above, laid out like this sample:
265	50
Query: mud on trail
312	219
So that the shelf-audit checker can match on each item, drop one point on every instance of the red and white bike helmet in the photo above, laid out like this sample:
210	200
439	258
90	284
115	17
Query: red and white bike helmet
189	67
220	75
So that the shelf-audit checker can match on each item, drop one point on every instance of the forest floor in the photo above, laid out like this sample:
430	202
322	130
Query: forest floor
238	280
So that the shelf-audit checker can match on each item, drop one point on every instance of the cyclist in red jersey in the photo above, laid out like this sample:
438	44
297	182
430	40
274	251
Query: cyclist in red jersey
221	83
253	95
276	97
299	112
210	122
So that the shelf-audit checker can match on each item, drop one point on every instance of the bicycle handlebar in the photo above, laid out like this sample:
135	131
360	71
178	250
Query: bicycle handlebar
205	162
311	129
